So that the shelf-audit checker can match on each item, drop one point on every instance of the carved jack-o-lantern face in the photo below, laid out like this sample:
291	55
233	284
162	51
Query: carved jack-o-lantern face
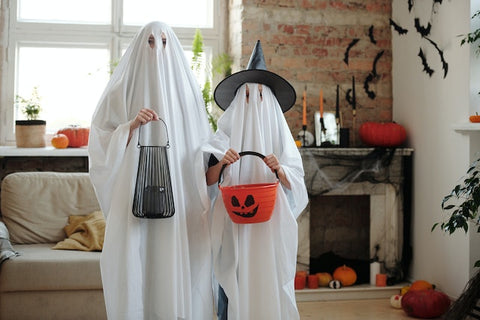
247	210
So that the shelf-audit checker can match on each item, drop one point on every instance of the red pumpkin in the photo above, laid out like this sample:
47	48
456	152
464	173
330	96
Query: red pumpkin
425	304
376	134
77	136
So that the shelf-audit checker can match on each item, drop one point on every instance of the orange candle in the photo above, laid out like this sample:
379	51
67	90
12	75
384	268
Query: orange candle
381	280
312	281
304	108
300	282
321	103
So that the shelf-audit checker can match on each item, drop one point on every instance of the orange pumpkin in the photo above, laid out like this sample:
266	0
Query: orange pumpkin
77	136
59	141
346	275
475	118
420	285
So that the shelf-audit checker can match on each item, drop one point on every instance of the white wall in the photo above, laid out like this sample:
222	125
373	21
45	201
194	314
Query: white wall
428	107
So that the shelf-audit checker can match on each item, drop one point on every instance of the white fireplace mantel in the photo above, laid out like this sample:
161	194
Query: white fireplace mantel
378	173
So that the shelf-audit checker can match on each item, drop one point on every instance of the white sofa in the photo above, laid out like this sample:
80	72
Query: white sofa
42	283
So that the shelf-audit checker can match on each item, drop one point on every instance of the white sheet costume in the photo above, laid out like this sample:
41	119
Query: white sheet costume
152	268
255	263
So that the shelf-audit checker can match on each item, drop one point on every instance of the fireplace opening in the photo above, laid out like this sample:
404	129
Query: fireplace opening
340	234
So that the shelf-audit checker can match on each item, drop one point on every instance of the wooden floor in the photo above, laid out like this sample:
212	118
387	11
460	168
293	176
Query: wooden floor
366	309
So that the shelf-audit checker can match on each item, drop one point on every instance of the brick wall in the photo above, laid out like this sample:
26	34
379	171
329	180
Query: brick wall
305	42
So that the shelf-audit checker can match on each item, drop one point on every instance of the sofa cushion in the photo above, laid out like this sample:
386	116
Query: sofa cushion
39	267
36	205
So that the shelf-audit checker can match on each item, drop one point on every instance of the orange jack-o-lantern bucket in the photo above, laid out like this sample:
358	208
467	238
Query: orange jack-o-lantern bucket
249	203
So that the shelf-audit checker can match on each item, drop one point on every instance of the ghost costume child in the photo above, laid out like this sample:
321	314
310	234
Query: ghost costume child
255	263
152	268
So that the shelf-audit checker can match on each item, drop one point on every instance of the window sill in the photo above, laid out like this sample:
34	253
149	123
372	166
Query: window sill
466	127
12	151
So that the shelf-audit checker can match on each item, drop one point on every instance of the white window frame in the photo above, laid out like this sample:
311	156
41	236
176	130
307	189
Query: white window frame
113	37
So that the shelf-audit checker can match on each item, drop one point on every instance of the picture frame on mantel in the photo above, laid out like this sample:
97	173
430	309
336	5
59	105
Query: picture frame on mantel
330	135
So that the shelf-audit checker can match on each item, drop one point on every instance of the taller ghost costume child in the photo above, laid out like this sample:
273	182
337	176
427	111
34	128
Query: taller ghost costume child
152	268
255	263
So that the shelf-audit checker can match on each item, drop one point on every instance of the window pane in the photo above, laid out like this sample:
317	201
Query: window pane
65	11
176	13
70	82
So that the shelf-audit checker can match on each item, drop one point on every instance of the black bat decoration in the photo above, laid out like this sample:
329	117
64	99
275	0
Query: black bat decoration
350	45
377	57
426	67
372	76
435	3
424	31
370	35
410	5
366	86
442	58
397	28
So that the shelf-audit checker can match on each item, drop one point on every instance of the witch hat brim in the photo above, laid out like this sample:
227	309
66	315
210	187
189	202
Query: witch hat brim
255	73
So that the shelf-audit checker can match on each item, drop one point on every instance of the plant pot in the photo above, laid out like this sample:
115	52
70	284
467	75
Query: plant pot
30	133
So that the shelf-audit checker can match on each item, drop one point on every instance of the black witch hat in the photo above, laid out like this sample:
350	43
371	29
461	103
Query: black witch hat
256	72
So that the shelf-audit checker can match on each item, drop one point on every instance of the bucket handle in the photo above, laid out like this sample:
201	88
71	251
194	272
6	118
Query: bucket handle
243	153
166	131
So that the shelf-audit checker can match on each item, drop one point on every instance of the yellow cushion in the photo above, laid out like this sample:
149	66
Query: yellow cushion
85	233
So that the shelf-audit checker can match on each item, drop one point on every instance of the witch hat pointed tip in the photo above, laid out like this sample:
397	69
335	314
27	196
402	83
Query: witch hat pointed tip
257	60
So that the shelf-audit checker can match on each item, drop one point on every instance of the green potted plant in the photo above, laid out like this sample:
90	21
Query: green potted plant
221	65
30	133
463	203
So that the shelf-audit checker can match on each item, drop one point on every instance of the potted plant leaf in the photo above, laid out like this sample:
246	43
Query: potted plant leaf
30	133
463	203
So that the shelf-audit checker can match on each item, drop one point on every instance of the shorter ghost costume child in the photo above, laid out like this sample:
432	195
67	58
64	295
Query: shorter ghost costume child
152	268
255	263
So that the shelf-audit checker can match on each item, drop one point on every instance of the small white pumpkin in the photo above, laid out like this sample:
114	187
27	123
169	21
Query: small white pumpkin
335	284
396	301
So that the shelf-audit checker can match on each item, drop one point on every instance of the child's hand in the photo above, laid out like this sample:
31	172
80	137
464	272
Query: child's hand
212	173
143	116
230	157
272	162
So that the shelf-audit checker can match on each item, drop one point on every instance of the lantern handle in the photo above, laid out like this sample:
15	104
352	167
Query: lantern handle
244	153
166	131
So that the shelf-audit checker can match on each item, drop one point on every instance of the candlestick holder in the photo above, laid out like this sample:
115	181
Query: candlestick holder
344	137
305	137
